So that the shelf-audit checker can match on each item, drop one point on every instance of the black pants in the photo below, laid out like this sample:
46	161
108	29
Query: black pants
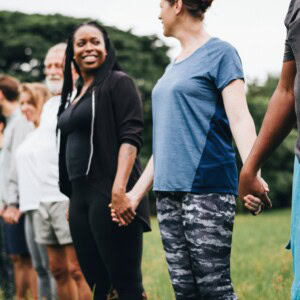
7	283
108	255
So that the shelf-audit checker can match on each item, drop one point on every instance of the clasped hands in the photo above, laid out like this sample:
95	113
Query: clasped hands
11	215
253	192
123	206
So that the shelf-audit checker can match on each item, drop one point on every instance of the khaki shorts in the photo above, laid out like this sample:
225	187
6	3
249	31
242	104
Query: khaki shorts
52	227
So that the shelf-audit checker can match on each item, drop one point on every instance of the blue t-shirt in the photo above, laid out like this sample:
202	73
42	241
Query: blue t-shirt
192	140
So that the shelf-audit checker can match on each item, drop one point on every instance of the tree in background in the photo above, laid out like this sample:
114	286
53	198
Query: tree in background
25	40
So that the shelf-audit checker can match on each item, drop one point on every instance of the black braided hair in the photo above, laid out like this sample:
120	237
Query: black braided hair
69	60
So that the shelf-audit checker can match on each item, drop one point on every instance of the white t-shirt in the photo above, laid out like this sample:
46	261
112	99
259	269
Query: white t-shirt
47	153
27	173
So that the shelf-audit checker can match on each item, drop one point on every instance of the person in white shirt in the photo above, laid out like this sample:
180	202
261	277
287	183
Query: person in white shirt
15	132
50	222
25	187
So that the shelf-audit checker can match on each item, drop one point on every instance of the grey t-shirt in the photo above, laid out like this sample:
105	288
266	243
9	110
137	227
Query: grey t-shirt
292	52
15	132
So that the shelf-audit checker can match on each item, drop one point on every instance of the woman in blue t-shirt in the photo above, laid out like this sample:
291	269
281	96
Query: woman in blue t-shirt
198	105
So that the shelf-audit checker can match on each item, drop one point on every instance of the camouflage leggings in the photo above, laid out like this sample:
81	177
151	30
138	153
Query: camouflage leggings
196	232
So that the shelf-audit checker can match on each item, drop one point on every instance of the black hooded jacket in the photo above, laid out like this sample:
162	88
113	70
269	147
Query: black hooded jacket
117	118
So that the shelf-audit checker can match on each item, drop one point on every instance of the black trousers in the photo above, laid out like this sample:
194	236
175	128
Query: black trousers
7	282
109	255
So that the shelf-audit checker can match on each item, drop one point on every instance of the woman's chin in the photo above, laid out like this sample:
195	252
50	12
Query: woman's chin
167	33
91	70
92	67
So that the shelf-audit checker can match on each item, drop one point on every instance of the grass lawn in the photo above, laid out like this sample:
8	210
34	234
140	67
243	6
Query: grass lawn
261	267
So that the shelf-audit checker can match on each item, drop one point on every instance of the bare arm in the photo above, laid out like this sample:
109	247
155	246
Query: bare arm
142	186
243	130
240	120
120	203
278	122
12	213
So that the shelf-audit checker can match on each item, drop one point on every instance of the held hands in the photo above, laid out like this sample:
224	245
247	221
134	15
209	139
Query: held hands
253	193
11	215
253	204
122	208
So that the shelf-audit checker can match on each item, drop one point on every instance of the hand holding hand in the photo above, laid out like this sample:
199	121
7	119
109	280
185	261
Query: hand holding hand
253	193
253	204
121	207
11	215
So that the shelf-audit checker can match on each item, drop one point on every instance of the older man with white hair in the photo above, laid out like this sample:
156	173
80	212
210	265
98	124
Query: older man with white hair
52	228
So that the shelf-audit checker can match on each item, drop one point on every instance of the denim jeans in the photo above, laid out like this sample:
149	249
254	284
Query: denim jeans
39	256
295	232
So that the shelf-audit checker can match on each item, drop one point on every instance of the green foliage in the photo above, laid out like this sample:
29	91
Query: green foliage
28	37
261	266
266	90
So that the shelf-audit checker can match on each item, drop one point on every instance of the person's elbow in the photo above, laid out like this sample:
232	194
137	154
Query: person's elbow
239	119
285	92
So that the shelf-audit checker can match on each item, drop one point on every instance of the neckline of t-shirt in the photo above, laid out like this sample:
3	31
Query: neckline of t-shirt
197	50
76	103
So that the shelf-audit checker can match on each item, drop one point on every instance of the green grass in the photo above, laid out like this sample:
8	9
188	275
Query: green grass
261	267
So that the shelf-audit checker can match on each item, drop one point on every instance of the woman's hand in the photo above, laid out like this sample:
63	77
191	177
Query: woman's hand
134	202
253	187
121	207
11	215
253	204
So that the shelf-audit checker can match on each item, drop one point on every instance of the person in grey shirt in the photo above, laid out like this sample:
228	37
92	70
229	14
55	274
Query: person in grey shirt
282	115
14	235
6	270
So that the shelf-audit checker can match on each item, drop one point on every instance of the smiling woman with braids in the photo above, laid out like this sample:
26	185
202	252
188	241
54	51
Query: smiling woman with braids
101	134
198	105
